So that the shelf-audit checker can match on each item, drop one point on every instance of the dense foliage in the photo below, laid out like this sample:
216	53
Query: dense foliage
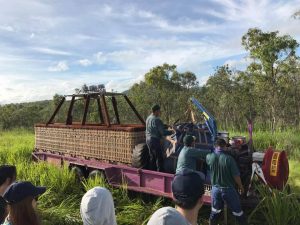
266	92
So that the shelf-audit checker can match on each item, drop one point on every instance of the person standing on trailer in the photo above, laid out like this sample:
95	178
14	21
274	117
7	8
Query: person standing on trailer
155	132
225	176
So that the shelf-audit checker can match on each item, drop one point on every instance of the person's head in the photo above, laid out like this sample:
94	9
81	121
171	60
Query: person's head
97	207
189	140
188	190
221	143
22	200
8	174
156	110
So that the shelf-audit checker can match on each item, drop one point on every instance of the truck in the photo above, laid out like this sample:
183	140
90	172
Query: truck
116	149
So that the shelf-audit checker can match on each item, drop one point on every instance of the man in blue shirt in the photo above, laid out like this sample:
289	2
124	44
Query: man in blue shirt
155	132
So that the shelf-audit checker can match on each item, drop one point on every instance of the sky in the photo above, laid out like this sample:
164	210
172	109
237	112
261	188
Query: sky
55	46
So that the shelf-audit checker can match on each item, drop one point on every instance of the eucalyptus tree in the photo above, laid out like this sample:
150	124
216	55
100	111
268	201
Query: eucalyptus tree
166	86
270	51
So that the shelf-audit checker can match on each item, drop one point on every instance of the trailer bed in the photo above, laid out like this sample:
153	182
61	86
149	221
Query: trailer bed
117	175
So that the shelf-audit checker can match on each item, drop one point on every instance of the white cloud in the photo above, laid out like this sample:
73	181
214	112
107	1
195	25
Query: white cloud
107	9
85	62
117	86
238	63
60	67
100	58
7	28
187	55
202	80
14	89
50	51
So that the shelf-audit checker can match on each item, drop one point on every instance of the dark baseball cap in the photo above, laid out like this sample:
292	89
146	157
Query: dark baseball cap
189	139
7	171
220	142
187	185
155	108
20	190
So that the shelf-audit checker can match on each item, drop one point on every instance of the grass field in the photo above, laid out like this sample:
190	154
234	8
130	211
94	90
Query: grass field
60	204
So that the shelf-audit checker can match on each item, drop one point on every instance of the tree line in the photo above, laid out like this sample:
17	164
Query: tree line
267	92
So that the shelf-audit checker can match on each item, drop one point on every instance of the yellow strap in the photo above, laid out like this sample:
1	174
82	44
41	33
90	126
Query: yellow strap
274	164
205	114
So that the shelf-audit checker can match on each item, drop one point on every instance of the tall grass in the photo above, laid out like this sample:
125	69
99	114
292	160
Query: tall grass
288	140
294	178
60	204
277	208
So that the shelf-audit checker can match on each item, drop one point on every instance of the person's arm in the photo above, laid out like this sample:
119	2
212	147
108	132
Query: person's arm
236	175
198	153
238	181
160	127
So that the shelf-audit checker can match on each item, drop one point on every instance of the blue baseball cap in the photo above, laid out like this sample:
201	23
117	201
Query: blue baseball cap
187	185
20	190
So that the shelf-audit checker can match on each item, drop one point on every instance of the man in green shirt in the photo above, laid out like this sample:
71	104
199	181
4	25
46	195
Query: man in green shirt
225	176
189	155
155	132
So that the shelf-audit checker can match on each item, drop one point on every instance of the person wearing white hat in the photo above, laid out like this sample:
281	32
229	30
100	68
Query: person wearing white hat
97	207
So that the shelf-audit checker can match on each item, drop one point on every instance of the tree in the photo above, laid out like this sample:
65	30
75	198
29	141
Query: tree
269	51
166	86
218	97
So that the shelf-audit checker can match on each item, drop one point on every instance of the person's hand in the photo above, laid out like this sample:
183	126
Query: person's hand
242	189
172	129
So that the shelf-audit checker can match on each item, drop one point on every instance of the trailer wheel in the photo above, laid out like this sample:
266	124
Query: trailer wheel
96	173
79	175
140	156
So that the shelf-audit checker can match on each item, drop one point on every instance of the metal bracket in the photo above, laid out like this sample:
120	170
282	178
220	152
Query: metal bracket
257	170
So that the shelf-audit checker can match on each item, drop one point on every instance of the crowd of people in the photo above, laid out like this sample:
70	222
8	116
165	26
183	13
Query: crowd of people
18	199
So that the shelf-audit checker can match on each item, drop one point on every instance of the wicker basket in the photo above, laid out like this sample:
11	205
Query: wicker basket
107	145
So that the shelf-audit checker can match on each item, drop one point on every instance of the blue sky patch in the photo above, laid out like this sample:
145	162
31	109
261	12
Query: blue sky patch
49	47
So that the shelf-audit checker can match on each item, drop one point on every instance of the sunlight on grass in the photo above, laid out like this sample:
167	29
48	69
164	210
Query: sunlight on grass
278	207
294	178
60	204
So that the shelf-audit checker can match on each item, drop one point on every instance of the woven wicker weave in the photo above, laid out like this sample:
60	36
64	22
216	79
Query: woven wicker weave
108	145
